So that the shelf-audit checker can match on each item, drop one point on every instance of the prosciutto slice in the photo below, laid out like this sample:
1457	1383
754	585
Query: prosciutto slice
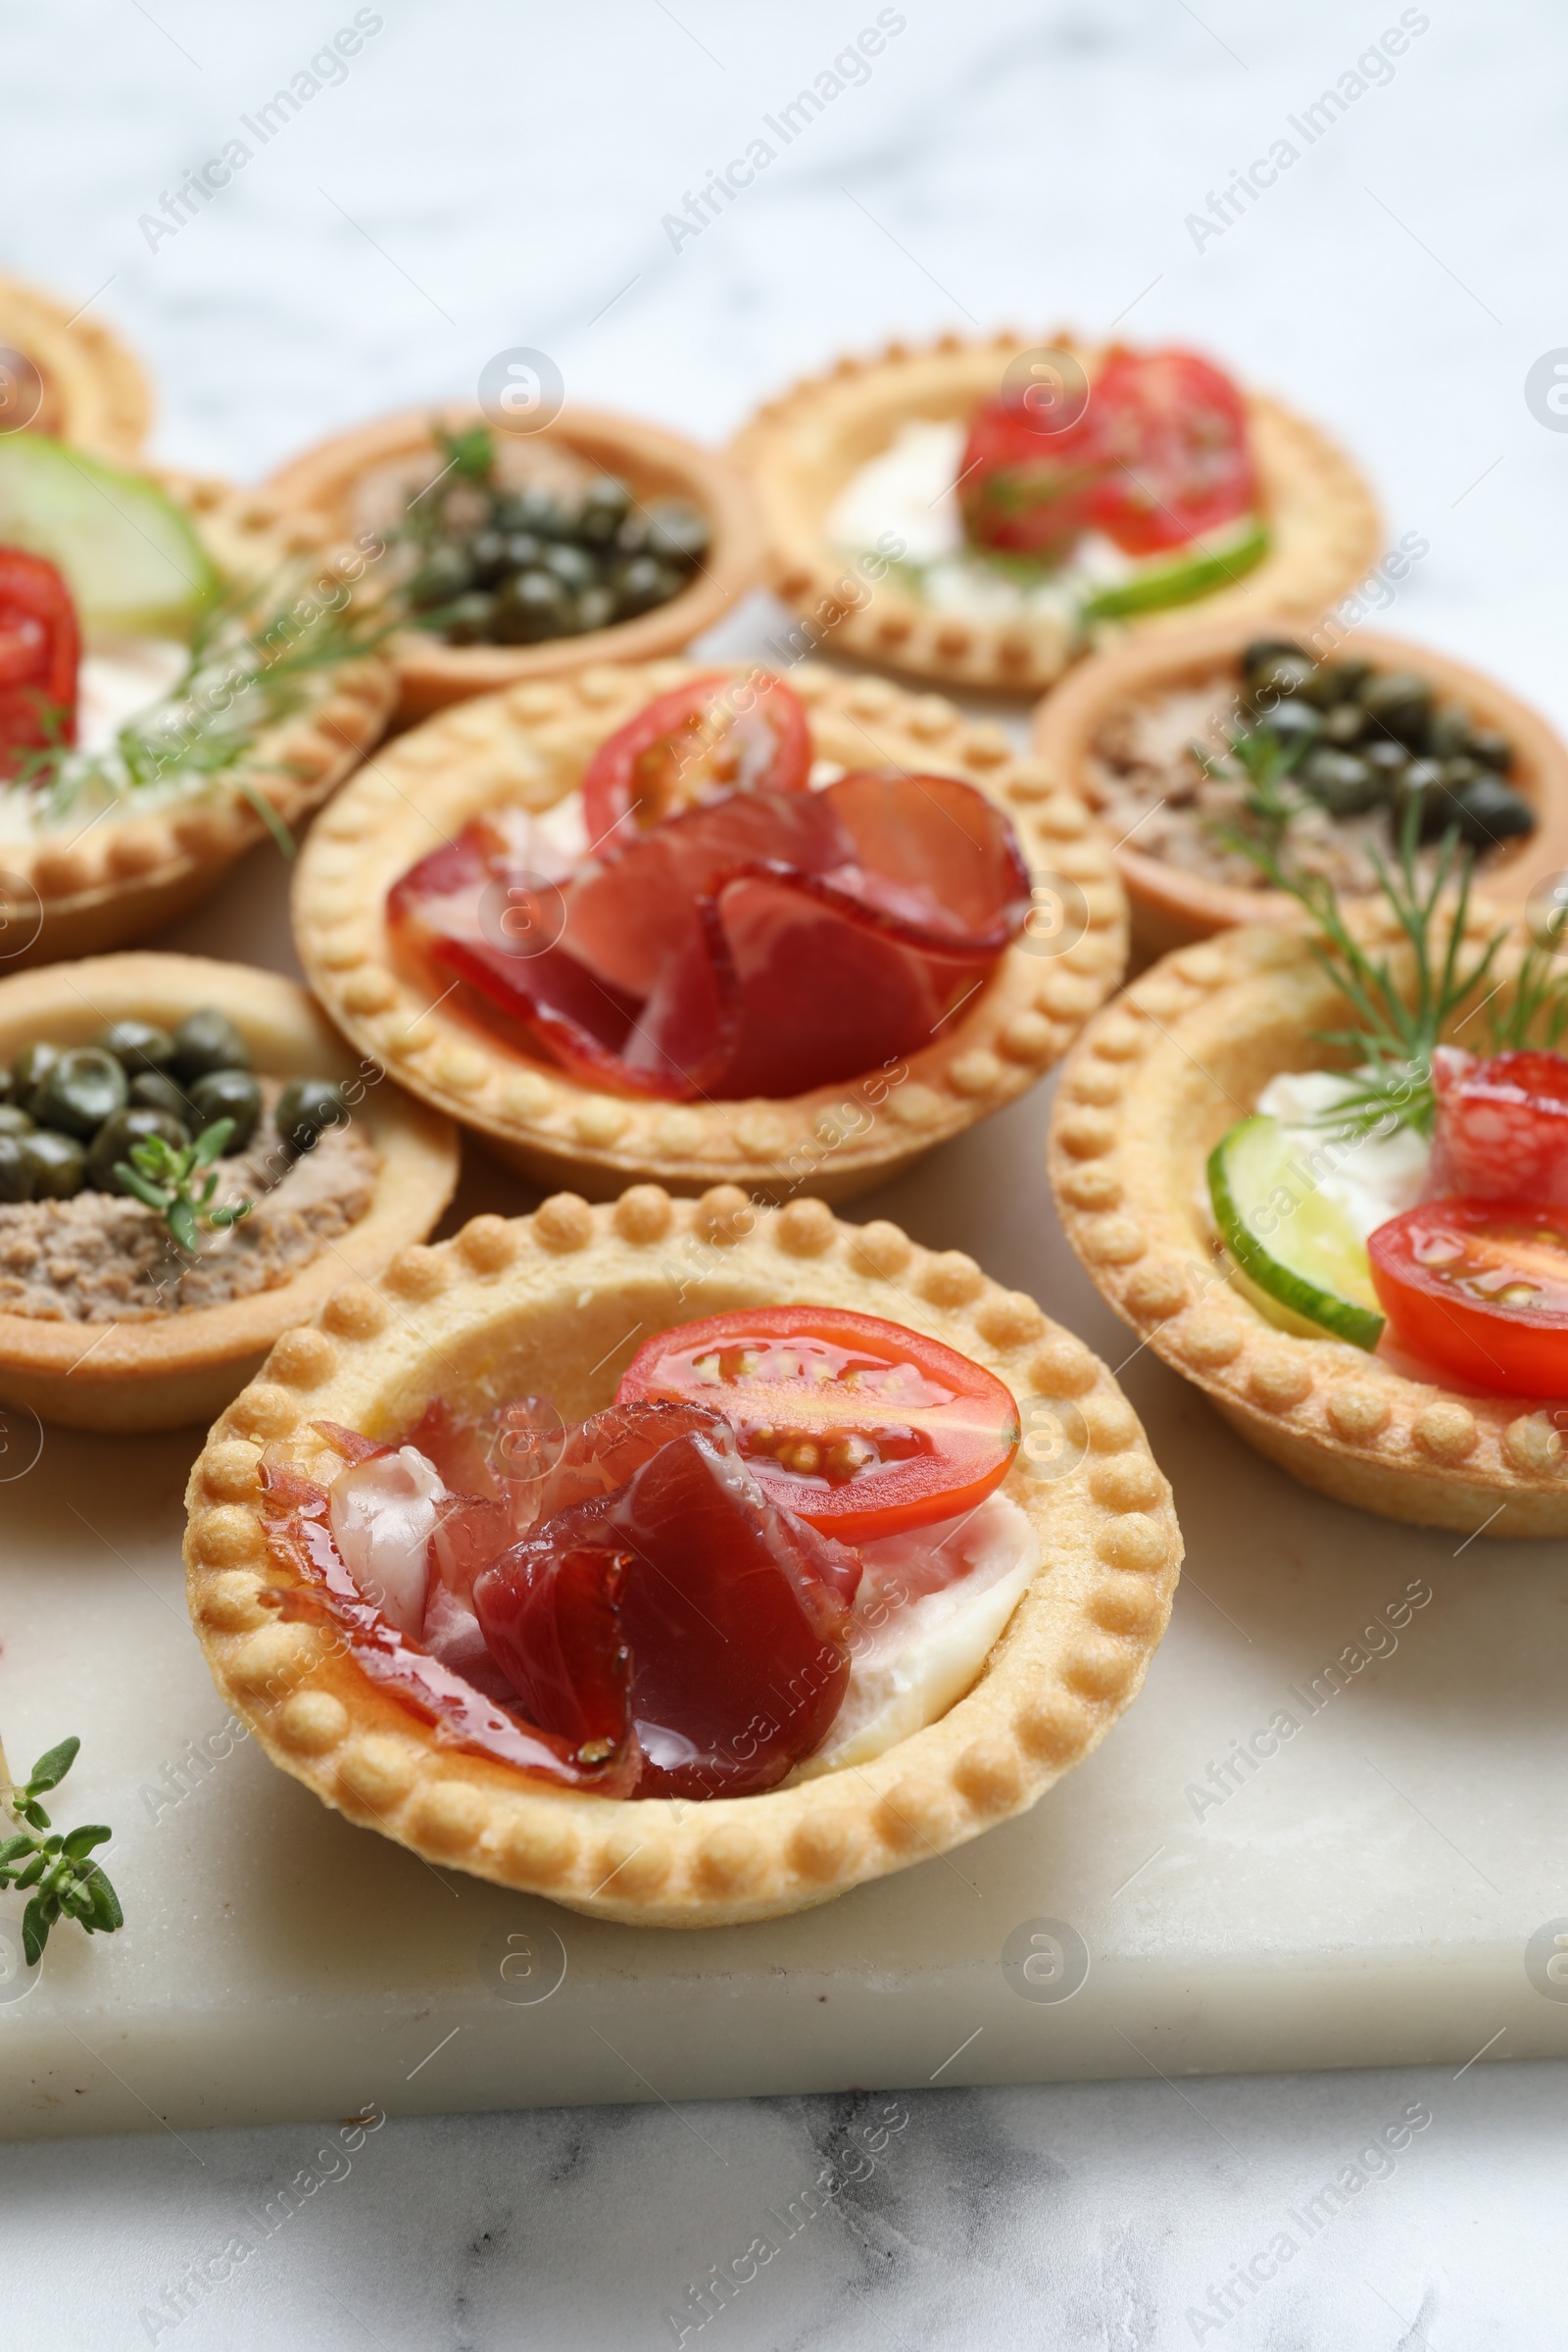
763	943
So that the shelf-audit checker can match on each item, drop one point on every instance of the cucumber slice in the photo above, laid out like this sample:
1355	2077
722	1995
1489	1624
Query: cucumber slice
1303	1259
129	556
1193	574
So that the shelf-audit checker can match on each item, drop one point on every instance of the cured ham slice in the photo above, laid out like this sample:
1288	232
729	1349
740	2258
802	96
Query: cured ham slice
1503	1127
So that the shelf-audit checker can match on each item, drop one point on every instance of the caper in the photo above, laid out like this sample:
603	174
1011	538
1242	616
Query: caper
534	509
14	1120
524	550
151	1089
603	508
4	1086
1490	812
632	537
470	620
1342	724
642	584
487	557
677	533
227	1094
1493	750
30	1068
16	1171
532	607
1422	783
1340	782
1387	761
572	567
445	574
82	1088
1265	649
1400	704
137	1046
209	1041
56	1164
1277	680
115	1138
596	609
305	1107
1342	681
1448	733
1292	721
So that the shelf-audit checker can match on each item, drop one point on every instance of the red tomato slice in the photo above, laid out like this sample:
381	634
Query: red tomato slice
1481	1288
859	1427
40	646
1022	488
1171	431
716	734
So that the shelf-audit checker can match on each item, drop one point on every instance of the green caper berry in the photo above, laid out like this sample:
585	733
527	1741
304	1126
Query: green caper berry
14	1120
227	1094
151	1089
82	1090
116	1137
30	1068
469	619
137	1046
57	1162
306	1108
16	1171
571	565
678	533
208	1040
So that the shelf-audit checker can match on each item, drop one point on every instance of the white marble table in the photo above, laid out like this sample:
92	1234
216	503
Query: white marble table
484	176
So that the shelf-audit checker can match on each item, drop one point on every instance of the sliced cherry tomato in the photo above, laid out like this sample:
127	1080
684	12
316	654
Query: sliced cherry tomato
1171	433
859	1426
716	734
1025	489
40	647
1480	1288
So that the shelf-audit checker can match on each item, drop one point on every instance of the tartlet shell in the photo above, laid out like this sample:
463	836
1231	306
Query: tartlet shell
95	393
1156	1081
801	448
115	879
539	1301
530	745
1170	909
655	463
180	1368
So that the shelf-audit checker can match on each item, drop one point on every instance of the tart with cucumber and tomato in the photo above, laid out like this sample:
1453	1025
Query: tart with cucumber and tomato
697	923
1325	1173
63	374
688	1563
986	514
182	674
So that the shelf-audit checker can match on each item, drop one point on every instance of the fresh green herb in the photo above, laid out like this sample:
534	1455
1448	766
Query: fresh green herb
56	1866
1263	760
163	1176
469	453
1537	1011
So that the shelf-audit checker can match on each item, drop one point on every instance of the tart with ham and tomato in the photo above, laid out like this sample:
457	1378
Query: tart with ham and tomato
697	924
1324	1173
181	674
63	374
985	514
189	1163
689	1563
527	554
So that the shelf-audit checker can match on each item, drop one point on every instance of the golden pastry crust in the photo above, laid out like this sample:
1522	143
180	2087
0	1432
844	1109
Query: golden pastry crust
802	449
1170	909
1153	1085
559	1300
327	480
530	745
91	391
179	1368
105	882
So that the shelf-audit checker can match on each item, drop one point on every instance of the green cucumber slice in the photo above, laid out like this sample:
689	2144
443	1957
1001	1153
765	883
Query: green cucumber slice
1193	574
1303	1260
129	556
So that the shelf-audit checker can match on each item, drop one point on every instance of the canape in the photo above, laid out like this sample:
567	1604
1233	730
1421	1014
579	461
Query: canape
704	924
1347	1233
63	374
592	538
1164	737
366	1659
189	1163
984	513
196	674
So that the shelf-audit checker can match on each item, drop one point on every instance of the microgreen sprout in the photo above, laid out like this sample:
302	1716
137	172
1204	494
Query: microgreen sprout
57	1867
164	1177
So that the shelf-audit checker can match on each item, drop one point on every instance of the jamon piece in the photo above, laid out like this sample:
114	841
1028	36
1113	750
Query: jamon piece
1503	1127
734	1618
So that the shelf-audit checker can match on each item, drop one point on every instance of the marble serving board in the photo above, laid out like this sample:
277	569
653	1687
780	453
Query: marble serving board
1327	1834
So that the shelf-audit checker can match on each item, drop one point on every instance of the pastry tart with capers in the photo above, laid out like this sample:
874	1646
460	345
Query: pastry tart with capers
189	1163
700	923
67	374
186	673
679	1622
984	513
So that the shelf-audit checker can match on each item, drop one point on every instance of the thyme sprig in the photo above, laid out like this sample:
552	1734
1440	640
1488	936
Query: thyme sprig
163	1176
57	1865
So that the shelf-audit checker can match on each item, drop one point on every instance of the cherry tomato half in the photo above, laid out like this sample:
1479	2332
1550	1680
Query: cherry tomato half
1481	1288
860	1426
40	646
1171	433
712	735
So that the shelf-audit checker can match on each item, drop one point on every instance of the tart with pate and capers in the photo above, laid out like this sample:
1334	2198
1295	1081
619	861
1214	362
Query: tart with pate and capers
65	375
1324	1174
985	514
681	1623
699	923
1172	739
189	1163
522	554
182	674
